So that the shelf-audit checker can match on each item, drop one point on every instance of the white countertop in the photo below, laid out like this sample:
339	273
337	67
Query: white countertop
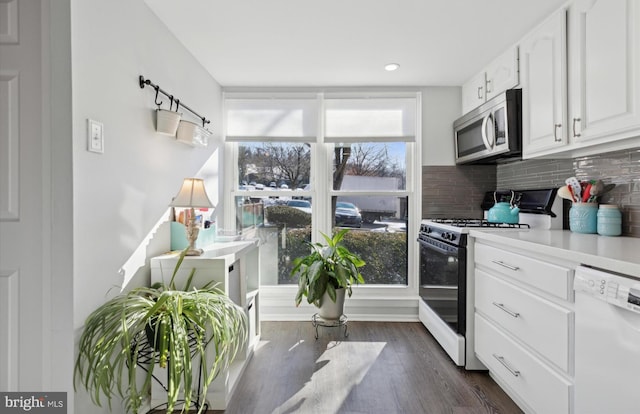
617	254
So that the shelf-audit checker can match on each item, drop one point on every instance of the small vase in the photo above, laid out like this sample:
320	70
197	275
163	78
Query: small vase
330	310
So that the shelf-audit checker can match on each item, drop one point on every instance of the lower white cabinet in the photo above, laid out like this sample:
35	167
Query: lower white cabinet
537	387
524	326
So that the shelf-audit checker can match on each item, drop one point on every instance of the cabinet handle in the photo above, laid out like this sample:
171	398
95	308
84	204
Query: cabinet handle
502	307
503	264
488	82
555	132
500	359
574	126
479	92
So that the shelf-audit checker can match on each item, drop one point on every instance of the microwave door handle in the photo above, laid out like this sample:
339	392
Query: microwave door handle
488	140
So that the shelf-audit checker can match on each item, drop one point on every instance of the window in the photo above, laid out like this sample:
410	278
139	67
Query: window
296	177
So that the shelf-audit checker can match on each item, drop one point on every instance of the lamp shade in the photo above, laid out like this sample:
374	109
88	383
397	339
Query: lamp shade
192	194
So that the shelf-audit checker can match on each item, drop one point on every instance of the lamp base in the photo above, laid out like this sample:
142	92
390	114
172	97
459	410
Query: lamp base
194	252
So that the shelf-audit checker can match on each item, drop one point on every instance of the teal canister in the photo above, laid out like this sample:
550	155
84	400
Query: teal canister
609	220
583	217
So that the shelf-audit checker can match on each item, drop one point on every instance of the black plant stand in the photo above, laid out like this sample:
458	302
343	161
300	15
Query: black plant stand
147	354
317	320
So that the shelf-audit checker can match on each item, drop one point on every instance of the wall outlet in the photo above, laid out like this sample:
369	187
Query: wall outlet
95	136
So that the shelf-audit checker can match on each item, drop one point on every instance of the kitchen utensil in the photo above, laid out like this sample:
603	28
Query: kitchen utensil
607	188
564	192
573	196
596	187
575	187
586	193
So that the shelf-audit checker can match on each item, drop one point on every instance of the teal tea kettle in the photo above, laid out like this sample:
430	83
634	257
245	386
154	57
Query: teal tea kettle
504	212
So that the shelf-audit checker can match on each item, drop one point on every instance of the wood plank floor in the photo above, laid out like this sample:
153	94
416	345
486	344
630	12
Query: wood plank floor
381	367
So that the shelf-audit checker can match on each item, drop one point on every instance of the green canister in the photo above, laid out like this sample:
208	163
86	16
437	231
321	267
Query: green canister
609	220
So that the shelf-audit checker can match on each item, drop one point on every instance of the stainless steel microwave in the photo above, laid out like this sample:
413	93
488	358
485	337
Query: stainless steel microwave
491	132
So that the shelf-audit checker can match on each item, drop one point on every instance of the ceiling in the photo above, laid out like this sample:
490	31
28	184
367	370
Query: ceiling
324	43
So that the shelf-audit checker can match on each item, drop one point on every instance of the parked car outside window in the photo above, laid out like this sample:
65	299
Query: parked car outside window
302	205
347	215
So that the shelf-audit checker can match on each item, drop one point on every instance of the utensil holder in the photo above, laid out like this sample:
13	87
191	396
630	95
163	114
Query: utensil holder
583	217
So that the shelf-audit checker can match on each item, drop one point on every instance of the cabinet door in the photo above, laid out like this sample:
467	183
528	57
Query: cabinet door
604	69
473	93
502	73
544	93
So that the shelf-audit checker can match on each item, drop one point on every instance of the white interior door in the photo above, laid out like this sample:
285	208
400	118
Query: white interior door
24	320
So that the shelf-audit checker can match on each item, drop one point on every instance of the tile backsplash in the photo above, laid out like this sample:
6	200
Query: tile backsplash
457	191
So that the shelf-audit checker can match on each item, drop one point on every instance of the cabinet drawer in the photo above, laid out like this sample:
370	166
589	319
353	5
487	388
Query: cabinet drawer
548	277
538	385
542	325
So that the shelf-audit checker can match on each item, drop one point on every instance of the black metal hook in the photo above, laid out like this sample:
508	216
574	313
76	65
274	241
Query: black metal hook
205	121
171	103
177	105
157	88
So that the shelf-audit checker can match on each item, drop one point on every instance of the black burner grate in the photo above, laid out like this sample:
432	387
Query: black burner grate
466	222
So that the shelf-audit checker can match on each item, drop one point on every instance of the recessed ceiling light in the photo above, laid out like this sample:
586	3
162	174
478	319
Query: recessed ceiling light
391	67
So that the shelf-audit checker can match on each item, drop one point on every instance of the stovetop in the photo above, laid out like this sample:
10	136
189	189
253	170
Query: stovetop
454	230
470	222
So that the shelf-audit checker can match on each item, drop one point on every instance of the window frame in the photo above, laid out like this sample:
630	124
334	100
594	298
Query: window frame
321	180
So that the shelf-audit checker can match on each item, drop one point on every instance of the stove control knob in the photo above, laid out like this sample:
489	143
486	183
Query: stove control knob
452	236
428	230
447	236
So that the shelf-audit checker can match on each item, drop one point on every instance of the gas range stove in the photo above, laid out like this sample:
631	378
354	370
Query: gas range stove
454	230
537	210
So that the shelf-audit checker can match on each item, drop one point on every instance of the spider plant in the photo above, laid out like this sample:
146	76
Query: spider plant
116	358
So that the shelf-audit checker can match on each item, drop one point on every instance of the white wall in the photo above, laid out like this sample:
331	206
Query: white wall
440	107
119	196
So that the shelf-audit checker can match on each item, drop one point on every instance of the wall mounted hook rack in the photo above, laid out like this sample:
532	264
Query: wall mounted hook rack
143	82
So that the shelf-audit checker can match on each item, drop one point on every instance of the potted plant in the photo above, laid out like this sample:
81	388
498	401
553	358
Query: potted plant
326	274
159	332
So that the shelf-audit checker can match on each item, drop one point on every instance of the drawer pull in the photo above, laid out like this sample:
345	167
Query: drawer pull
510	312
503	264
500	359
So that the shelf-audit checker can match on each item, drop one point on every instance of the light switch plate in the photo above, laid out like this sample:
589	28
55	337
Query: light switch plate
95	136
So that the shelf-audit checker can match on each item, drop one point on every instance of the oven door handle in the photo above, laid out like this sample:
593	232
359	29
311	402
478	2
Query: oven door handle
437	248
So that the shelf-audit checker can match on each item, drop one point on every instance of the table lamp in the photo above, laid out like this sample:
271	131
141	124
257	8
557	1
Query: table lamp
192	195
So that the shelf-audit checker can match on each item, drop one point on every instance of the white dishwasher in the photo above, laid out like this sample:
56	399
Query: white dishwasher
607	343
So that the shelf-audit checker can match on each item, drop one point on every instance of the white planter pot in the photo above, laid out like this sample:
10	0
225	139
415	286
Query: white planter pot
330	310
167	121
193	134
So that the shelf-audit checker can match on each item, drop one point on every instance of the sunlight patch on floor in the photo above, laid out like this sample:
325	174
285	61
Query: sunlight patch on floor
331	383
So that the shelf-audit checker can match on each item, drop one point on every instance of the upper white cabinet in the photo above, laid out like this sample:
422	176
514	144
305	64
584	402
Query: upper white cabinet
473	93
543	69
581	81
501	74
604	46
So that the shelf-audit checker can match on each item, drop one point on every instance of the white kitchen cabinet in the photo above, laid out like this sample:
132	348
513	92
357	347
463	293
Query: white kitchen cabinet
524	325
501	74
581	80
604	70
234	268
543	76
473	93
